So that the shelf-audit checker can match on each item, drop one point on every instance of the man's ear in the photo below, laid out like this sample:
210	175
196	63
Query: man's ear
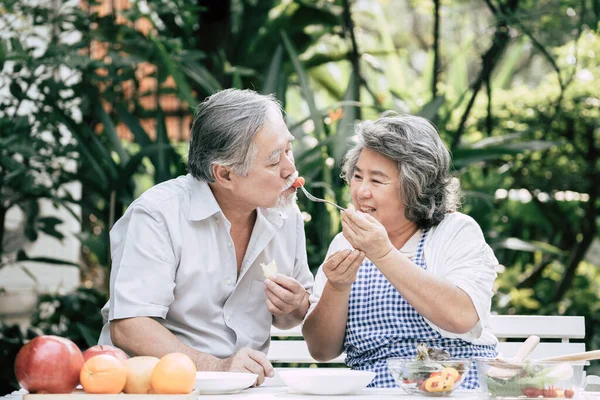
222	175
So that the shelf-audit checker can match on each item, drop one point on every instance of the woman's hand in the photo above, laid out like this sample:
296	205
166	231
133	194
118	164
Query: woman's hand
366	234
341	268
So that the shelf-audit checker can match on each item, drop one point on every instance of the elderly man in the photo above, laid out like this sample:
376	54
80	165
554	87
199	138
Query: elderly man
187	254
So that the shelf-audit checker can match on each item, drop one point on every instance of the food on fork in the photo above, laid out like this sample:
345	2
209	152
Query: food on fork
298	182
269	269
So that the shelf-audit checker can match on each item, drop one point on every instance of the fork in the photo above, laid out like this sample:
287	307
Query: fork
318	200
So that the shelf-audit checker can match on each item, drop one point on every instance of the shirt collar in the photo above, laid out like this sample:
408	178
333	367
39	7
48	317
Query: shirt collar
410	247
275	216
202	202
203	205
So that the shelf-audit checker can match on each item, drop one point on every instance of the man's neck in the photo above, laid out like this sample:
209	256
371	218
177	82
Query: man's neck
238	213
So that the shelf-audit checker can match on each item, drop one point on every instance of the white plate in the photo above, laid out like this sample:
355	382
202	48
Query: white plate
223	382
326	381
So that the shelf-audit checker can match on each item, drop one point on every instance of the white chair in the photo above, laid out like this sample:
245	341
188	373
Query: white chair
555	332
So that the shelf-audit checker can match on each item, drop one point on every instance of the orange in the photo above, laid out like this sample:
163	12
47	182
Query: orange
139	374
103	374
175	373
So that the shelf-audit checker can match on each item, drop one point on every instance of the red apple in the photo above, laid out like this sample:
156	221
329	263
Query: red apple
105	349
49	364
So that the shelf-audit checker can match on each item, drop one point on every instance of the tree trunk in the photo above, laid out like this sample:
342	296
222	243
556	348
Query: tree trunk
436	49
574	261
214	27
489	120
531	279
3	212
489	59
354	54
590	227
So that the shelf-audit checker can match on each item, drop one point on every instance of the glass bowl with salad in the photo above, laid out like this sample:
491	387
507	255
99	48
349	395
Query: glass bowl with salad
531	379
433	373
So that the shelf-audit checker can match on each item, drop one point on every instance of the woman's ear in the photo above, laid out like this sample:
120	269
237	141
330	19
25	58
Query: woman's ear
222	175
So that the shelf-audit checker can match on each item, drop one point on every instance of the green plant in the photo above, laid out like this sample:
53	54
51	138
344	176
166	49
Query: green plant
73	315
12	338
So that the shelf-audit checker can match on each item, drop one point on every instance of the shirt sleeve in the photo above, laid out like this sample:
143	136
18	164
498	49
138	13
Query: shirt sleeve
466	260
144	266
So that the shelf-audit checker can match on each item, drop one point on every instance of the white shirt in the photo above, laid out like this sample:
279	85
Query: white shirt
455	250
173	259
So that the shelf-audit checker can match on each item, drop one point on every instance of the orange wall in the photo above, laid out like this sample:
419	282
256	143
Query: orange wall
177	126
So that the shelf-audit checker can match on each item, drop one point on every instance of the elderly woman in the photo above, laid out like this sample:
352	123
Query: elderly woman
407	268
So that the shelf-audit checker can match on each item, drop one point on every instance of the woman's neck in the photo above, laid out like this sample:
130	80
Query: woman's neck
402	234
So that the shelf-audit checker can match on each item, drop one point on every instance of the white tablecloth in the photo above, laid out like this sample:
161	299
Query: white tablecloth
283	392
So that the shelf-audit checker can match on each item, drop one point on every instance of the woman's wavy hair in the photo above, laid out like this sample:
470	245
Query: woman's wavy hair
427	189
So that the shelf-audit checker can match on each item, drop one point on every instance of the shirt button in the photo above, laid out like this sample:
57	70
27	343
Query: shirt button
229	281
229	244
217	219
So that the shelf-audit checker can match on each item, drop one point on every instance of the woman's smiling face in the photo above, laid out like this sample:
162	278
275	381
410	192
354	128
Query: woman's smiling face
374	189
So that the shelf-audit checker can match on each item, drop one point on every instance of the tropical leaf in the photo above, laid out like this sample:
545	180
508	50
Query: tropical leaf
89	335
513	243
199	74
350	113
394	65
162	171
183	88
430	110
236	81
88	155
132	166
464	156
325	78
497	140
133	124
458	77
22	256
304	84
506	70
272	76
111	132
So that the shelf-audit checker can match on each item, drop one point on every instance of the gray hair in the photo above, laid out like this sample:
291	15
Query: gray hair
223	129
427	189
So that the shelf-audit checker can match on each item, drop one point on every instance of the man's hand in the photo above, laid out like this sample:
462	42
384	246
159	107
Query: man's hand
284	294
341	268
248	360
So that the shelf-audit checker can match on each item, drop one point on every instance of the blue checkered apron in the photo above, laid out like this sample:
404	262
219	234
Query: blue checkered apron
381	324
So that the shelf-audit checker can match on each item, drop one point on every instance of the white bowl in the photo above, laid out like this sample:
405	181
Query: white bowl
326	381
223	382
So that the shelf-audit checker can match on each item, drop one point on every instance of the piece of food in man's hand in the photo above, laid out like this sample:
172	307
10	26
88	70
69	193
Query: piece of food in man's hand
298	182
269	269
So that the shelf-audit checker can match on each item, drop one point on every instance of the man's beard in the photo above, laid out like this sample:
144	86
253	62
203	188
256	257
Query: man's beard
286	200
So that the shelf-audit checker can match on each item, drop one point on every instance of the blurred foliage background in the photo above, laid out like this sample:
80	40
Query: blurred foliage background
511	85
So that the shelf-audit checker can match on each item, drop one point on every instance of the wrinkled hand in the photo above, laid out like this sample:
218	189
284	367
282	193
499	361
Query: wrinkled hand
366	234
248	360
284	294
341	268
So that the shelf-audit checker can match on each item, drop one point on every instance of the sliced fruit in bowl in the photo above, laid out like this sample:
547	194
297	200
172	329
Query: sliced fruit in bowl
428	377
